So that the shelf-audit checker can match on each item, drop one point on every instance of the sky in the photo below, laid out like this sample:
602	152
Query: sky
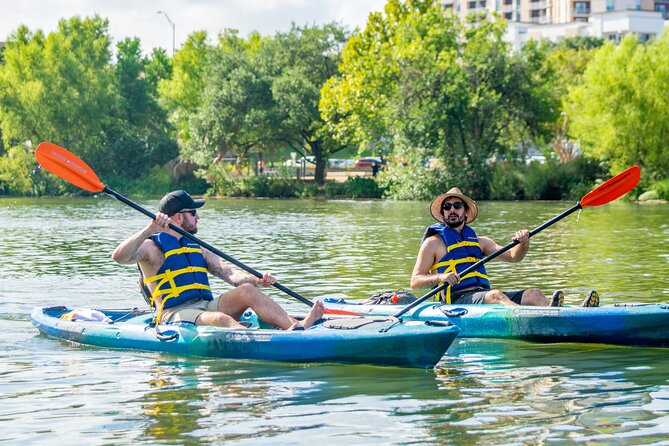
140	18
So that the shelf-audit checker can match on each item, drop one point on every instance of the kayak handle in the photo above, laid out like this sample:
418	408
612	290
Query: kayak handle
438	323
167	337
454	312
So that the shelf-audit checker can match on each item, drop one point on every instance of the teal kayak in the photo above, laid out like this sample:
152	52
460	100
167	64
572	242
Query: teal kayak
621	324
383	341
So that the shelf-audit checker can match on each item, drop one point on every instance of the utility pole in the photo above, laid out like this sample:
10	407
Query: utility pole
173	28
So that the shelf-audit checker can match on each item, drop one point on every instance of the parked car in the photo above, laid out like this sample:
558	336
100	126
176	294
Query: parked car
368	162
309	161
342	164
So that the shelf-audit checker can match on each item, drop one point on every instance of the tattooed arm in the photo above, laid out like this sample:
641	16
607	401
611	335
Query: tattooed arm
217	267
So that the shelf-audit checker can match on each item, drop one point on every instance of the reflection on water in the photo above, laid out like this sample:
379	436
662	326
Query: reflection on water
484	391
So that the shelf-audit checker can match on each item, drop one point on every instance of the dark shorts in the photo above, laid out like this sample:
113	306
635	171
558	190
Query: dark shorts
477	296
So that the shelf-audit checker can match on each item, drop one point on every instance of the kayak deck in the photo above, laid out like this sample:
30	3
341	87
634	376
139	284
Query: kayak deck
377	340
620	324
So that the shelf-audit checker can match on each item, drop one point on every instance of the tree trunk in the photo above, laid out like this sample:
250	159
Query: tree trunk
319	174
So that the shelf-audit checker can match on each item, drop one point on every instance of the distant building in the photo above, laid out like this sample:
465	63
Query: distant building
557	19
612	25
552	11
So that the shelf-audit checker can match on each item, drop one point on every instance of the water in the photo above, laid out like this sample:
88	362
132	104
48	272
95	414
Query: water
56	251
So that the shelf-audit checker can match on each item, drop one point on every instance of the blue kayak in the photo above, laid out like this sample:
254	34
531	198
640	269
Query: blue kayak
621	324
360	340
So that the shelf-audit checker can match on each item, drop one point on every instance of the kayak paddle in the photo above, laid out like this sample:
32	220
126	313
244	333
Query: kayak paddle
608	191
72	169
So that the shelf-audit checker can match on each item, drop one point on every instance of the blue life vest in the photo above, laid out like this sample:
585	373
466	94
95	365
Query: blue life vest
462	251
183	275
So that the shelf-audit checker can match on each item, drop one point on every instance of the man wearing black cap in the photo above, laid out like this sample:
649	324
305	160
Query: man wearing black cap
175	271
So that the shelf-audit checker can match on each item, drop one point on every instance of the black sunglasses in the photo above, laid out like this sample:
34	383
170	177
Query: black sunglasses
192	212
456	205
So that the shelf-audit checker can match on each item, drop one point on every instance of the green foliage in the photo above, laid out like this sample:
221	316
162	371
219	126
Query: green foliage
262	93
580	43
662	189
154	183
335	189
19	176
15	172
506	182
299	62
417	77
64	88
548	181
359	187
59	87
620	113
237	111
181	93
226	181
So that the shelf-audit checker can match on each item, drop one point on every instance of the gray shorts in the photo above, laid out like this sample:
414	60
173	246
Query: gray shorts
189	311
477	296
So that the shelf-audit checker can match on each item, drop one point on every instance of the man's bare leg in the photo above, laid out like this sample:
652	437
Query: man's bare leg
218	319
236	301
497	297
314	315
534	296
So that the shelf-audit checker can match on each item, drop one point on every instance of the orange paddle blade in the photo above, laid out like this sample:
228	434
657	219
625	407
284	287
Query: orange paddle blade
614	188
340	312
68	166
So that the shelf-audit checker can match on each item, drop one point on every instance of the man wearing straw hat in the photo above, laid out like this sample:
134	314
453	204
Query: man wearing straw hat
451	246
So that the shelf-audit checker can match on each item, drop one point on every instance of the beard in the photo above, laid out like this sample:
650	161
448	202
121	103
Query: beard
189	228
454	220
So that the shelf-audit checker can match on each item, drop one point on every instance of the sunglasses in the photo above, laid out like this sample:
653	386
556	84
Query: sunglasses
192	212
456	205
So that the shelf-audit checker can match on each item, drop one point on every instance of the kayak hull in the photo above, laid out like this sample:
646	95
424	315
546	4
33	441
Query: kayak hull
634	324
405	344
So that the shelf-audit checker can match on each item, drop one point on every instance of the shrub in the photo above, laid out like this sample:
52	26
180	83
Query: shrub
359	187
506	183
662	189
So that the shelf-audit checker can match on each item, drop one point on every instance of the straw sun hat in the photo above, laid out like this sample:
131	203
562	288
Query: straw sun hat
435	207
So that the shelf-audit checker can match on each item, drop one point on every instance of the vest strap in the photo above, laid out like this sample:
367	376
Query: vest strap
182	250
169	274
451	263
462	245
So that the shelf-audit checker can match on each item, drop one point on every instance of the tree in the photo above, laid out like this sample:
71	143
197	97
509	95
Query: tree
64	88
430	84
299	63
568	60
620	113
182	93
140	131
236	104
59	87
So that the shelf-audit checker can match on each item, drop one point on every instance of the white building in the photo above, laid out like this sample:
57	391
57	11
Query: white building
613	25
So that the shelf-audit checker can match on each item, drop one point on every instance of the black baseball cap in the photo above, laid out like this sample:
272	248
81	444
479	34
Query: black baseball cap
177	201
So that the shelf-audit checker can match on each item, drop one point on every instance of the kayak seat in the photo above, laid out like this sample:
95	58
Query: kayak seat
397	297
359	322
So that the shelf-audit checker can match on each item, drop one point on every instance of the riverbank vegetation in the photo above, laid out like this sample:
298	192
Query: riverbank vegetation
443	103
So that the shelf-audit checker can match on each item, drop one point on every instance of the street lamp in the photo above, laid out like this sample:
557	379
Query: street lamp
173	28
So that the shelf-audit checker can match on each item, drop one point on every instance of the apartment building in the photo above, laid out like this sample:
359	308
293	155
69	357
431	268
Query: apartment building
559	19
553	11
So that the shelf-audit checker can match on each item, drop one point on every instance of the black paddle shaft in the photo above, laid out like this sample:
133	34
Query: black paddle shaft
219	253
500	251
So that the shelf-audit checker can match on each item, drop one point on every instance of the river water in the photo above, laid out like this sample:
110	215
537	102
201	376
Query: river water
57	252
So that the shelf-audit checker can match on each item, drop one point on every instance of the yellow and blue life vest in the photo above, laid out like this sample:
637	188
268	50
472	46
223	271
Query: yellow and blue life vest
183	275
462	251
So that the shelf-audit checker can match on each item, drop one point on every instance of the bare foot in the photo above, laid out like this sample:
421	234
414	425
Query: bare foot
315	314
